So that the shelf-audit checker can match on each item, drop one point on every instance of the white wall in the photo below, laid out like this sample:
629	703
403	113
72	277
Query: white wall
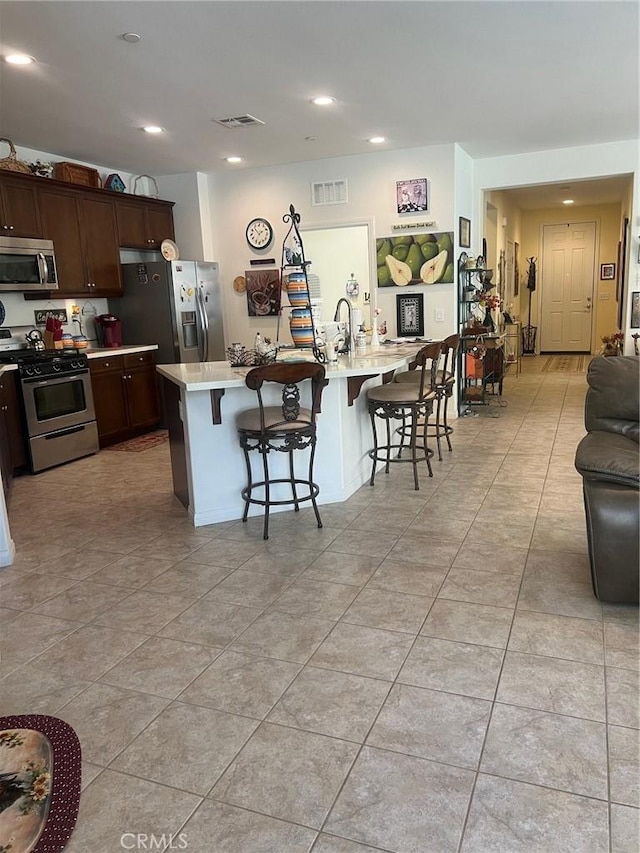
335	253
238	196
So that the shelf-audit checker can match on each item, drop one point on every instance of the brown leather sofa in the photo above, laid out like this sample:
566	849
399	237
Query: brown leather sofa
608	459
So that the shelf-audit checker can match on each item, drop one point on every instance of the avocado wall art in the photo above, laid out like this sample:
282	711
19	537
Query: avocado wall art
415	259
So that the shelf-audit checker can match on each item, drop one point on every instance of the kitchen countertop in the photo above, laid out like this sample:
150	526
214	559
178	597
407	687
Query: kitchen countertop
102	352
219	374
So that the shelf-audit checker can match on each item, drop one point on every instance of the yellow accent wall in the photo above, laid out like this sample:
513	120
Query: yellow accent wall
607	219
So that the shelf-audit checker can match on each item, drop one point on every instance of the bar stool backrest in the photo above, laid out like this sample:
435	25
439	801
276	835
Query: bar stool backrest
289	376
427	362
449	354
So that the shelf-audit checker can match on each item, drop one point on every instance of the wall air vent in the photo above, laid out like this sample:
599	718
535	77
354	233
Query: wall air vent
239	121
329	192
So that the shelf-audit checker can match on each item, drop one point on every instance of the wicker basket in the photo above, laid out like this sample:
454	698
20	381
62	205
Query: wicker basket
11	163
74	173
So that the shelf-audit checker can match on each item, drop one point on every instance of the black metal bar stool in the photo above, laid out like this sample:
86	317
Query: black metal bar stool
283	428
412	403
443	388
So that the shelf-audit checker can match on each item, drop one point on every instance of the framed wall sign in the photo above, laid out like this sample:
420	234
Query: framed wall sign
411	196
410	315
464	232
607	272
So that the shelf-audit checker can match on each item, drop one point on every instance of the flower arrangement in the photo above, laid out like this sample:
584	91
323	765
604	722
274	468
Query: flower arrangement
612	344
489	300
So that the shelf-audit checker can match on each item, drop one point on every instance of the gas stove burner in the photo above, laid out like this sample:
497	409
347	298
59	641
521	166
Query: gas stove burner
43	363
46	356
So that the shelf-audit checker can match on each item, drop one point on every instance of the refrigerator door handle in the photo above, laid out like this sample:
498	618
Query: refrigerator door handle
204	323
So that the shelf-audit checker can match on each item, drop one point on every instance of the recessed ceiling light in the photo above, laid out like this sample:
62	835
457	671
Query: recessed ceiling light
323	100
568	201
377	140
132	38
233	159
19	59
153	128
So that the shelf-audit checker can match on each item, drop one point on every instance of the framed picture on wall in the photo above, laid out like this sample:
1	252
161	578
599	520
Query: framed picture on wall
607	272
464	232
263	292
410	315
411	196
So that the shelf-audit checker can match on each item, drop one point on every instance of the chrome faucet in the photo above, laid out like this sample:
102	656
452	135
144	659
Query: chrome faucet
336	318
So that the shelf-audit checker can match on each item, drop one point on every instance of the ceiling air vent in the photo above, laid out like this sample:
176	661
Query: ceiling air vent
329	192
239	121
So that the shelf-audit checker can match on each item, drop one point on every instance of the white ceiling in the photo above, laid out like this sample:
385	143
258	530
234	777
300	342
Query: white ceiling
496	77
598	191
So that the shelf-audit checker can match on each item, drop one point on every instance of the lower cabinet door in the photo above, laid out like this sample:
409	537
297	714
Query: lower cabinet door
142	397
110	401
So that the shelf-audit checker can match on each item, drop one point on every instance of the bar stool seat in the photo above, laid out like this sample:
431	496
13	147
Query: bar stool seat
443	387
412	403
281	429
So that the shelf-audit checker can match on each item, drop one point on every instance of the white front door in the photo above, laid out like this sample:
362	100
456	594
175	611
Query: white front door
566	287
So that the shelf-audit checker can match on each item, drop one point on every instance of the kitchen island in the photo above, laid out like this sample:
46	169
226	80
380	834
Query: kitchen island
202	400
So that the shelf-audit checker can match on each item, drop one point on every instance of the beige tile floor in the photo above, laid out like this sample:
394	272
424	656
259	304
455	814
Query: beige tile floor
430	672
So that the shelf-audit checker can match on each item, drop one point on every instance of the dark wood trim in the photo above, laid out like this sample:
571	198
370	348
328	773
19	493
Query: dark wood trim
216	395
388	377
354	384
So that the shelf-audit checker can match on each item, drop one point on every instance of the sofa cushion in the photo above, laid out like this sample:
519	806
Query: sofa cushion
609	456
613	398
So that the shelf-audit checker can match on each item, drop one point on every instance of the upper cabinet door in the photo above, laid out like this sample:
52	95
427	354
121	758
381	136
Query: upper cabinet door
132	231
61	223
100	238
159	225
144	224
19	211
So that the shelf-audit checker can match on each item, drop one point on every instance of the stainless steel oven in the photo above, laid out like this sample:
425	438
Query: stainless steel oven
59	410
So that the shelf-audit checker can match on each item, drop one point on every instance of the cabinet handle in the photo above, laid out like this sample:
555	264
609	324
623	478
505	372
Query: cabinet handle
6	227
11	228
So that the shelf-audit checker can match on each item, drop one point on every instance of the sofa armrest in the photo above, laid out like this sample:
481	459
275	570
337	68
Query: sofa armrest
609	457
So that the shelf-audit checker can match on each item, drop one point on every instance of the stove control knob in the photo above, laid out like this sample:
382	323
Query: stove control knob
37	370
29	371
76	364
56	366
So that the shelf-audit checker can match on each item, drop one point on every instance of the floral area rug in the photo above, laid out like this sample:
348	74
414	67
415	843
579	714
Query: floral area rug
566	364
142	442
39	783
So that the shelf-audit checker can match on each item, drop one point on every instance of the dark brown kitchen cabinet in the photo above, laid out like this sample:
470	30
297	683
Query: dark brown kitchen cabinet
144	224
84	232
102	256
13	449
19	208
125	395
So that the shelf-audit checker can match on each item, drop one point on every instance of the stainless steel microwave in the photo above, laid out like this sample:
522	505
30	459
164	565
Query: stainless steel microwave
27	264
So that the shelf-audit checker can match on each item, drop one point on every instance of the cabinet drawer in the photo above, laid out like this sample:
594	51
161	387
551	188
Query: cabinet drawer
106	364
139	359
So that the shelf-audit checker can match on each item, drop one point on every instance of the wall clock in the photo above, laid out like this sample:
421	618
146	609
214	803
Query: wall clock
259	233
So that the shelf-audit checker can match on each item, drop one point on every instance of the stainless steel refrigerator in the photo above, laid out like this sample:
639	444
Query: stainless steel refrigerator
176	305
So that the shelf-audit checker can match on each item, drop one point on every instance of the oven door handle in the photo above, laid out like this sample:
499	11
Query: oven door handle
43	268
54	379
62	432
